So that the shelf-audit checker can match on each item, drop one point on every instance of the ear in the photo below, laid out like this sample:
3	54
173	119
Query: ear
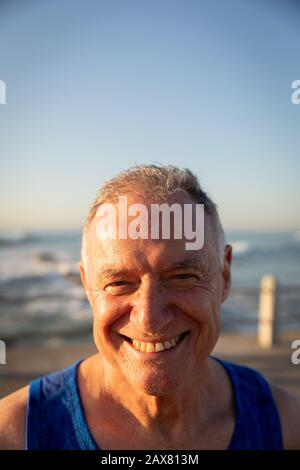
226	272
82	274
83	278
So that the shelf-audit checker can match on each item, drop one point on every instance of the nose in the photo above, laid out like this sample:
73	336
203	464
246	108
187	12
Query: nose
151	312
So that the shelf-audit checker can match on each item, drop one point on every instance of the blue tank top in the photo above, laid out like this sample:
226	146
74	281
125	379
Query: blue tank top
55	416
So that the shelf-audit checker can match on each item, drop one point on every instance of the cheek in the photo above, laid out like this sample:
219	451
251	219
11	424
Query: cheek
201	303
103	317
203	307
106	312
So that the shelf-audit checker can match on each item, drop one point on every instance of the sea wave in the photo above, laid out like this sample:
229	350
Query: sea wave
16	237
36	274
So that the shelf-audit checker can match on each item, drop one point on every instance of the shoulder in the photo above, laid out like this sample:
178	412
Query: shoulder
13	420
288	406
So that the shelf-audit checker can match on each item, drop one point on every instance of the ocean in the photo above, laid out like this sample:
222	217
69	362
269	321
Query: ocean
41	298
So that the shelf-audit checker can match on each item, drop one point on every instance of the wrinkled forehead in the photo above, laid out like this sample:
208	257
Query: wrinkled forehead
105	245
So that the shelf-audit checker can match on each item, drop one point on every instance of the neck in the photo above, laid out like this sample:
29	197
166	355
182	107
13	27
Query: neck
167	417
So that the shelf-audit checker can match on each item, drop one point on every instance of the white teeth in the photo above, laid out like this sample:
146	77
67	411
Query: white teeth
150	347
136	344
155	347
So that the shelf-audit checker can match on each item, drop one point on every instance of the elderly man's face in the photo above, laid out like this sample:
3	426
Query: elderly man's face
155	291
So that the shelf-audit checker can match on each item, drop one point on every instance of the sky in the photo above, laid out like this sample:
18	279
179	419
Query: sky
94	87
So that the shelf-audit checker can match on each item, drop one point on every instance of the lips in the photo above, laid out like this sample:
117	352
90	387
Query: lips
156	346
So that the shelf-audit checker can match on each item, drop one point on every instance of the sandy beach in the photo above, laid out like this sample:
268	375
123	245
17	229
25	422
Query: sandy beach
24	363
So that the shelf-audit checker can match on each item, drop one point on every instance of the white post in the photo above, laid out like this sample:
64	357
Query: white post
2	352
2	92
267	315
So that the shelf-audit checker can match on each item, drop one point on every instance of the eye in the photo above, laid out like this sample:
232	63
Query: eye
181	281
119	287
185	276
118	283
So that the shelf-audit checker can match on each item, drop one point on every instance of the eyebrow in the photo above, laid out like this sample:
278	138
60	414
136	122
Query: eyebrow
190	263
108	272
114	272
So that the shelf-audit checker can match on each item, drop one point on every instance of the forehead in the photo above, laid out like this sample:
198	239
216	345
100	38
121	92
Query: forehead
158	253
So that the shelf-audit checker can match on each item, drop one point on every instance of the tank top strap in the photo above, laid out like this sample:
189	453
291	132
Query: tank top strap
55	417
258	424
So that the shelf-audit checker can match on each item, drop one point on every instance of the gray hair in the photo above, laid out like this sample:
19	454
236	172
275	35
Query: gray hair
155	183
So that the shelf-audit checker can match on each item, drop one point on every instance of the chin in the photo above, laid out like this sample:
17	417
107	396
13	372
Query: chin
155	384
156	390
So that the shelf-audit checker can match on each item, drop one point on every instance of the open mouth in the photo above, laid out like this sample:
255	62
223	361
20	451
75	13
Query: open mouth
156	347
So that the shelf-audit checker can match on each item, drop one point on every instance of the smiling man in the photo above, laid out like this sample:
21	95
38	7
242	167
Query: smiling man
156	305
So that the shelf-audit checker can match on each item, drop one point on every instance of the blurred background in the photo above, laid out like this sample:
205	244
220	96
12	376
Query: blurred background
93	87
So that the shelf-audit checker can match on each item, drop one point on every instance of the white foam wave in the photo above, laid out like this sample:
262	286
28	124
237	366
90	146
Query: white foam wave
297	236
15	237
240	247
